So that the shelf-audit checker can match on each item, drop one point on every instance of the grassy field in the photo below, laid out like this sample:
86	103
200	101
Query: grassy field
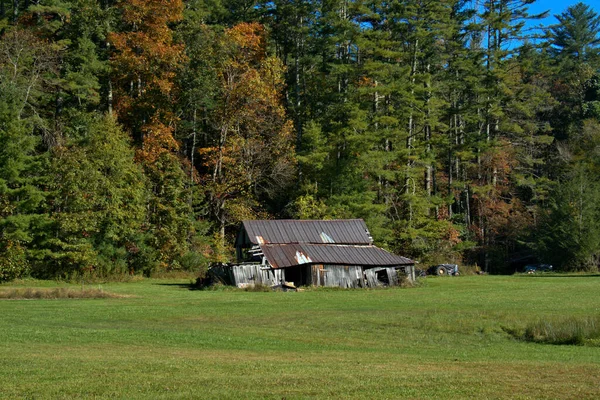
444	339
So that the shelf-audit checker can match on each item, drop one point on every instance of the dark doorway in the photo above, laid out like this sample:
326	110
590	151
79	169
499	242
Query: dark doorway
382	276
300	275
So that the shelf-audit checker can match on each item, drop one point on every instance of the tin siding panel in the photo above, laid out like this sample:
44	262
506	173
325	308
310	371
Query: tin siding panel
307	231
281	256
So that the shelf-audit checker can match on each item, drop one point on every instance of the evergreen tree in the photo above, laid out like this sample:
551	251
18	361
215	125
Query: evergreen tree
577	35
97	207
26	65
569	234
575	43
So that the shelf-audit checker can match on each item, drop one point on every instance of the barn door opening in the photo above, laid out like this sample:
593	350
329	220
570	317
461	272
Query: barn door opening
299	276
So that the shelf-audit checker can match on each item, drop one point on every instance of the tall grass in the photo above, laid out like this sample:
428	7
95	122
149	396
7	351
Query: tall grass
575	331
56	293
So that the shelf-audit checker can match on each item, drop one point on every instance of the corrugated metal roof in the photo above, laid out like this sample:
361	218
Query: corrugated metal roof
288	255
346	231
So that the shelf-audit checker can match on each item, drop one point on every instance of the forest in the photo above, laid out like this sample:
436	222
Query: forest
136	135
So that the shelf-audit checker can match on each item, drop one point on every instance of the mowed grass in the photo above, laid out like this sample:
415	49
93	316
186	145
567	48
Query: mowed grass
445	339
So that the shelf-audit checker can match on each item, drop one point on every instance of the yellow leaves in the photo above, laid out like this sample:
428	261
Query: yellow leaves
251	153
158	140
252	82
140	56
250	38
151	13
365	81
145	62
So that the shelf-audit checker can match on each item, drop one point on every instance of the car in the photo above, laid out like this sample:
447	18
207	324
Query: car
443	269
533	268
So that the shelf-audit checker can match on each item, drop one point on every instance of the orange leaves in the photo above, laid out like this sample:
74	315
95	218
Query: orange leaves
140	53
251	82
251	154
158	140
453	235
144	64
143	69
250	40
365	81
151	13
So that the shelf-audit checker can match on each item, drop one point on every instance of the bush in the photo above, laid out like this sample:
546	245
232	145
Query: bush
194	261
469	269
13	262
143	257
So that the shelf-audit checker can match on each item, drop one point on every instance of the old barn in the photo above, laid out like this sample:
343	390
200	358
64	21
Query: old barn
312	252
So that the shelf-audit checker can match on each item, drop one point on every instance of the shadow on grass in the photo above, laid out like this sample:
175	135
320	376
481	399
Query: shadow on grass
188	286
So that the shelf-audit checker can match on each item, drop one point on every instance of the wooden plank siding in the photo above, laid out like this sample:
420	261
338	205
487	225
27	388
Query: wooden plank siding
253	274
345	276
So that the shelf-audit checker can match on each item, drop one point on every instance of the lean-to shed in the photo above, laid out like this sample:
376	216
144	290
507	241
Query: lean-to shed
313	252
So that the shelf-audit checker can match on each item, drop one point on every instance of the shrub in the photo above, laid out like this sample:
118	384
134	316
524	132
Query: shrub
13	262
194	261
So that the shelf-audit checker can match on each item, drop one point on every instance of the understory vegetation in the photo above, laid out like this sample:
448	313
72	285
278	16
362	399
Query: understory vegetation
136	135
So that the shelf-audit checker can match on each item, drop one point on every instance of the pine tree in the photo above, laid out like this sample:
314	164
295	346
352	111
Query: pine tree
26	66
493	197
577	35
78	29
568	235
97	206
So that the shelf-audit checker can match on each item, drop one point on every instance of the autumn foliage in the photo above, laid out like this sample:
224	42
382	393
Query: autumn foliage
452	141
144	63
250	154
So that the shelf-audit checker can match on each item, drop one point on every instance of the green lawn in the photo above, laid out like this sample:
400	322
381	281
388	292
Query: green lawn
444	339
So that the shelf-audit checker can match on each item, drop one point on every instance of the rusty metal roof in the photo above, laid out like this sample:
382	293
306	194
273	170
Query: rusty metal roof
348	231
288	255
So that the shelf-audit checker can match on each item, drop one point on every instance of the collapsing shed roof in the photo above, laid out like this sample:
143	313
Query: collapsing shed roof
348	231
288	255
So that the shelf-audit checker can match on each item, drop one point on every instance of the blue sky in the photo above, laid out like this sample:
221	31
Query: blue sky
557	7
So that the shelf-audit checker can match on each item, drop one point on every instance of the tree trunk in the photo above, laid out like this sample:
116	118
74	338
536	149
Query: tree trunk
192	153
409	139
427	131
298	104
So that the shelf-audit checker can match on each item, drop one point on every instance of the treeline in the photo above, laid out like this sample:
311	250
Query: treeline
135	135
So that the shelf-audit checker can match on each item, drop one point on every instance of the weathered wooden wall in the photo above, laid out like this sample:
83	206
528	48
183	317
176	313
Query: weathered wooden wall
357	277
410	273
337	276
252	274
390	274
320	275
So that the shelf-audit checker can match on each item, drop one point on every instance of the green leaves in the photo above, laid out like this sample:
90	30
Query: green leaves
98	203
423	117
